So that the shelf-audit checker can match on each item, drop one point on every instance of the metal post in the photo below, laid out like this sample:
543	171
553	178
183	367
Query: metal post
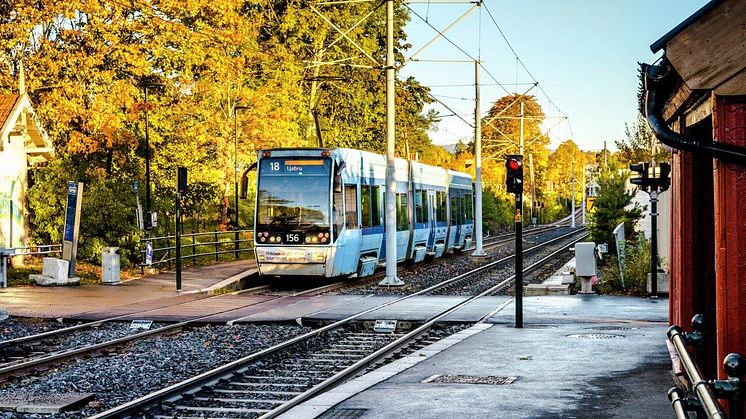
235	174
478	160
654	243
519	260
520	138
390	221
148	222
572	193
584	204
178	241
533	188
216	246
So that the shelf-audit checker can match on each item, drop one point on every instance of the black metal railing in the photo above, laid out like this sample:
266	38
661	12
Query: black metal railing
705	394
196	245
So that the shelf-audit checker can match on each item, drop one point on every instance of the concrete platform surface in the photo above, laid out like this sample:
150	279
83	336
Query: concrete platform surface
577	357
148	292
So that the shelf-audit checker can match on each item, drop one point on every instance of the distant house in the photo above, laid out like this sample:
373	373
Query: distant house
23	144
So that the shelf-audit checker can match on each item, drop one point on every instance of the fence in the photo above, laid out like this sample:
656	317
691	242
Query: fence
196	245
40	250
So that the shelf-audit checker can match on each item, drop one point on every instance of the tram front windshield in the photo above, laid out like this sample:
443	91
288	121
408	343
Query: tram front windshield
293	196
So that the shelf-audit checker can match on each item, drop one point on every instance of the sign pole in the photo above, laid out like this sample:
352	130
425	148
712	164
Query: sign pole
518	260
654	243
178	241
181	187
72	225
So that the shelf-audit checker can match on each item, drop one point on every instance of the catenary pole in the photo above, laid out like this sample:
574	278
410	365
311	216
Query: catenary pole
584	204
478	160
390	221
572	193
520	139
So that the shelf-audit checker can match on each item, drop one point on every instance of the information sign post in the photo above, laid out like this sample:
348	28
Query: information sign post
72	225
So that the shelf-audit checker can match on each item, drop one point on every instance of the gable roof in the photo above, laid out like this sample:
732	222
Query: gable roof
7	103
17	108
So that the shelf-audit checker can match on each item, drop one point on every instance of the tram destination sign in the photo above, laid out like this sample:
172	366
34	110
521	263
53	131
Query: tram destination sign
294	166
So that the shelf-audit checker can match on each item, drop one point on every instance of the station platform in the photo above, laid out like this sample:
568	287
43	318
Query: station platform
586	356
92	302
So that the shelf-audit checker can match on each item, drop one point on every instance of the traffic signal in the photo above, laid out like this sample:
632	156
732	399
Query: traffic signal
514	171
642	181
663	180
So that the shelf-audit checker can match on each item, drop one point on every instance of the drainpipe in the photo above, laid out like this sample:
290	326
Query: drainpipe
657	85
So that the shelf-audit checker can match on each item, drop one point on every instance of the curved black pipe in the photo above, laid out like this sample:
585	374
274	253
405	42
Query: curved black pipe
657	86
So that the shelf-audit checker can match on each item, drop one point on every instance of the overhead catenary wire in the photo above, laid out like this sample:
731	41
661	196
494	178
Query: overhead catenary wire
518	59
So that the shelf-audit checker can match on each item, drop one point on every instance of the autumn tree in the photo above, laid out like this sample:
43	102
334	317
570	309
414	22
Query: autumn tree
88	64
638	144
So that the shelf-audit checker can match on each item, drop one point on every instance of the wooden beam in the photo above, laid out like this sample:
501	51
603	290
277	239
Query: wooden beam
675	101
700	111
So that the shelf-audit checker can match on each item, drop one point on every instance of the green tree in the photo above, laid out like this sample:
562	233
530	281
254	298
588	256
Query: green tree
612	207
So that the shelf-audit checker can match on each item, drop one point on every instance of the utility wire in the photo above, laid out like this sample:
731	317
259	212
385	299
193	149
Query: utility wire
519	59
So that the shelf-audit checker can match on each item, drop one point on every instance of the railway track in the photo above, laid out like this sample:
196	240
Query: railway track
272	381
30	354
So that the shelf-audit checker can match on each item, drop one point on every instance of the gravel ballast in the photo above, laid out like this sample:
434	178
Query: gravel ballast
149	365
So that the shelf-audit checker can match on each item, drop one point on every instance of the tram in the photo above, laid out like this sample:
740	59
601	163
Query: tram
320	212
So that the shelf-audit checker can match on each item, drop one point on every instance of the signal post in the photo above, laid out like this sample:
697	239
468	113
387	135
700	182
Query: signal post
653	185
514	184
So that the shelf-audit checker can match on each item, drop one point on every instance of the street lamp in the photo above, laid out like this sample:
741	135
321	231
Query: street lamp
236	108
148	216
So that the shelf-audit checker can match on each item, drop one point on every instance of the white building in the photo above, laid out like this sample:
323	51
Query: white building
23	144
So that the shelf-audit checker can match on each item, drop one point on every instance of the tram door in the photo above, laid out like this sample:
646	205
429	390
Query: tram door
431	211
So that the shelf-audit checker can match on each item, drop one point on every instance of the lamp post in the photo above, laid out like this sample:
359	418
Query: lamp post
235	169
148	215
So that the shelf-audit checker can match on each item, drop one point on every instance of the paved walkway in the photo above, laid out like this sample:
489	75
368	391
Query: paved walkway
578	357
150	291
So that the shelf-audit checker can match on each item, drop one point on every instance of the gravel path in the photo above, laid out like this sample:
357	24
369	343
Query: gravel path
149	365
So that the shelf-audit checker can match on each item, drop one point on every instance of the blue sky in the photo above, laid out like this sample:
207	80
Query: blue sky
583	53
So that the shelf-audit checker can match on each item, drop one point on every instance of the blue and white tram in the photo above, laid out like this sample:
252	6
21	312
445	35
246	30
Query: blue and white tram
320	212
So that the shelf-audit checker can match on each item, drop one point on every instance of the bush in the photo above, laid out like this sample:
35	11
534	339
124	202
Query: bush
636	269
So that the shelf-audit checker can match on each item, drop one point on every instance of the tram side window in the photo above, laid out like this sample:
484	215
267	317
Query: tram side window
351	206
469	207
401	211
375	201
442	207
365	205
455	211
420	206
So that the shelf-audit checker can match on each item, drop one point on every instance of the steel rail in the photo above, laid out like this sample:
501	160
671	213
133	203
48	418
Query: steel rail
96	323
55	357
700	386
174	391
399	343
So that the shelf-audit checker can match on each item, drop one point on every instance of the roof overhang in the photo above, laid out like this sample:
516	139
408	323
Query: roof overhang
23	122
708	48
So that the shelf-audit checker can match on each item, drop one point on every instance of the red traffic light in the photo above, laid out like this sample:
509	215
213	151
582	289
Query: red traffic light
514	165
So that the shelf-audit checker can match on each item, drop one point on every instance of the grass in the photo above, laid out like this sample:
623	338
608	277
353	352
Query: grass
18	274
